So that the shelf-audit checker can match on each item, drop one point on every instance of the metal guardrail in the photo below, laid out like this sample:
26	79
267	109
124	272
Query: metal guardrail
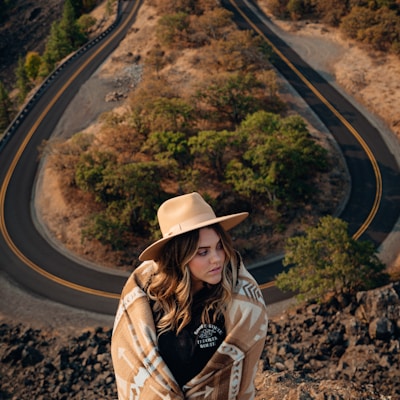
10	130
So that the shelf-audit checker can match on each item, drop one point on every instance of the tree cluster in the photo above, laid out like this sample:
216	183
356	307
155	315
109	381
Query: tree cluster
225	135
65	36
375	23
266	160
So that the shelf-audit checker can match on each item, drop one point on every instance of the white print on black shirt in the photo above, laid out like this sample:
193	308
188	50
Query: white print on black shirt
208	335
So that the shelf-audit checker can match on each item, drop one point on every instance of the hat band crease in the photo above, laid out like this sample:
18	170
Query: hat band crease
188	224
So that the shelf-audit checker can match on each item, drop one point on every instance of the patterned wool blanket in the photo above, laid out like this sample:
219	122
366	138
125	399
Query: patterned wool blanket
142	374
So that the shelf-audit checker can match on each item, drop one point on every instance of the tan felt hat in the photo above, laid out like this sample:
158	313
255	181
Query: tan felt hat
183	214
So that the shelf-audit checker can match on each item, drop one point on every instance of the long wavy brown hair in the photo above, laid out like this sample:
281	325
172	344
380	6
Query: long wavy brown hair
170	287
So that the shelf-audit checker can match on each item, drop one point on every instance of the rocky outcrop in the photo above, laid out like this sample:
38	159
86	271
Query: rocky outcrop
36	365
347	349
350	339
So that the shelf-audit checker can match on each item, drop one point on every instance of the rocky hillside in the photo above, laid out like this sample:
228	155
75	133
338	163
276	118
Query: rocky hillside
351	345
26	30
347	349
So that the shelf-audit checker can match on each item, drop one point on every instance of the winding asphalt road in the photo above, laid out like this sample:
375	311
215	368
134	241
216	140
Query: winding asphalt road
371	211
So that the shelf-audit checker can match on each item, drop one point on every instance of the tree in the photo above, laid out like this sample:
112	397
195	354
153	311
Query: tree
278	161
122	140
357	20
86	23
328	260
23	83
230	95
214	148
133	192
240	51
379	28
173	114
171	29
109	7
259	125
107	227
57	47
69	26
169	146
331	11
138	185
90	174
33	62
214	23
385	32
63	156
65	36
296	9
6	108
278	8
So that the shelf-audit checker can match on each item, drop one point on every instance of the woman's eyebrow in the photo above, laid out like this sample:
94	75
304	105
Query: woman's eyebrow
209	246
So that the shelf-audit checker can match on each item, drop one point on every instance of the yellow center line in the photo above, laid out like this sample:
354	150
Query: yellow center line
352	130
15	161
267	285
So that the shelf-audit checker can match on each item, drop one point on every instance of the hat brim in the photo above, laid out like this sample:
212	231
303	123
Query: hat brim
227	222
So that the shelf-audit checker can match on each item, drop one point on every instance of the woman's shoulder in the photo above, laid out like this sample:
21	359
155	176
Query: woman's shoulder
247	285
143	273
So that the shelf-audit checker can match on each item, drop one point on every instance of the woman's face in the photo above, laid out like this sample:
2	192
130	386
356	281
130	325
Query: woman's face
208	263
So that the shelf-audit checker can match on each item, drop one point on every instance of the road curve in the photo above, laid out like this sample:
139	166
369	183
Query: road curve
372	209
373	206
25	254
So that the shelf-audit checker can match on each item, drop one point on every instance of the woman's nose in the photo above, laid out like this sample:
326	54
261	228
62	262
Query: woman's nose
216	257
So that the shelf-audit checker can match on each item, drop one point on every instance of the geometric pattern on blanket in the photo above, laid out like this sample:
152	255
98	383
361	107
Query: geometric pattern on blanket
142	374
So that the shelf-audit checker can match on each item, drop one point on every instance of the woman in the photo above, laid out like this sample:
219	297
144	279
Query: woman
191	322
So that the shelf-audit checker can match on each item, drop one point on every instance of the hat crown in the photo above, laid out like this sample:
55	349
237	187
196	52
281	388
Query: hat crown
181	213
